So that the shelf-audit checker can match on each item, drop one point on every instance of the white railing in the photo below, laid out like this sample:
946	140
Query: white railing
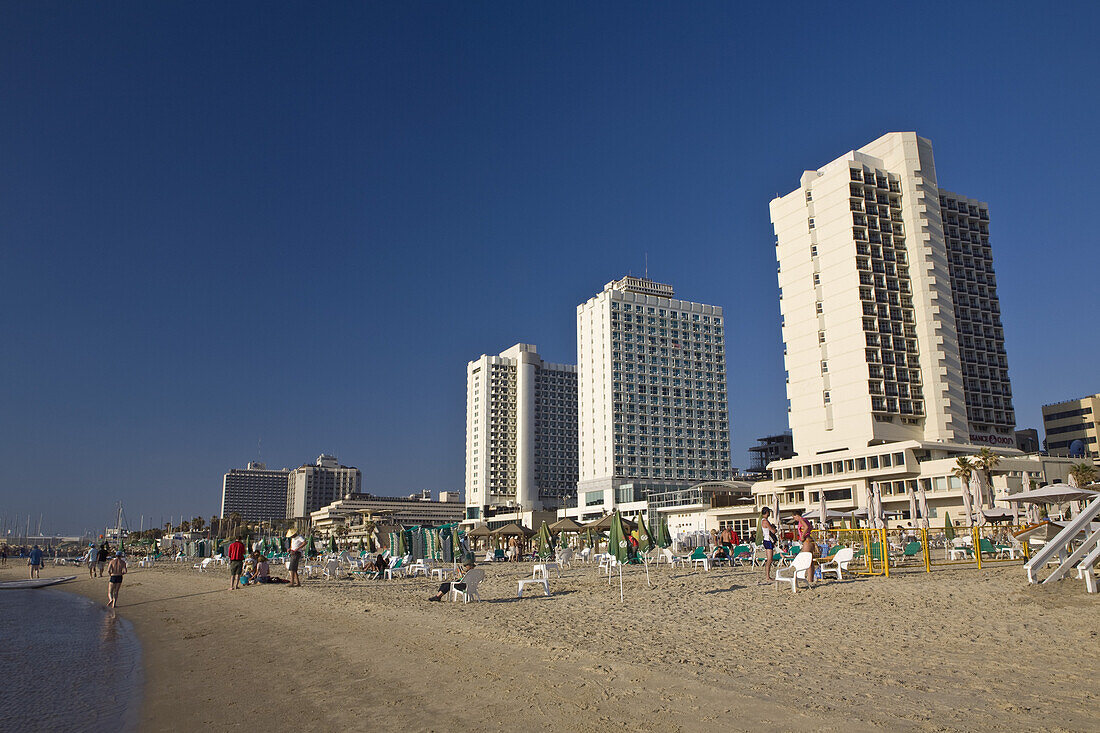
1057	545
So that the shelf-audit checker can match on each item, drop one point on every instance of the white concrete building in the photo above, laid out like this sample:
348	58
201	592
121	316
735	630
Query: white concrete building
893	343
311	487
521	433
891	320
652	395
255	493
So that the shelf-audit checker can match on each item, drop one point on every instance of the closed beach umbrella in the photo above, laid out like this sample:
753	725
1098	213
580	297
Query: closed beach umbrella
617	544
876	497
968	505
922	494
948	527
311	549
913	505
645	537
663	538
870	490
402	544
822	510
362	547
545	545
979	503
332	543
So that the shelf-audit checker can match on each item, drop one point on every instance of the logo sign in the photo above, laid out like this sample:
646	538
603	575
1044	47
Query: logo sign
992	439
622	543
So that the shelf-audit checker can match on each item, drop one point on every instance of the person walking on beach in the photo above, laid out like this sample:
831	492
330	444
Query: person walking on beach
3	556
101	557
235	553
115	570
90	559
35	561
769	540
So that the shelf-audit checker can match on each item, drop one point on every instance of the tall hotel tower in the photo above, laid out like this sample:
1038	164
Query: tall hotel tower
891	322
521	433
652	394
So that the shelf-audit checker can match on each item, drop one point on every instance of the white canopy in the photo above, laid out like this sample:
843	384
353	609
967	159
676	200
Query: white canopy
1053	494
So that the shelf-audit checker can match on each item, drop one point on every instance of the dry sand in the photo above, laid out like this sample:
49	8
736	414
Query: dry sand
957	649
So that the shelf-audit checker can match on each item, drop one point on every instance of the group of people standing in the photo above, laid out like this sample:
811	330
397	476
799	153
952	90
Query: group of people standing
770	540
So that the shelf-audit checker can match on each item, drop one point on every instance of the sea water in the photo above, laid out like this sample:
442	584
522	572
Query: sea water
68	664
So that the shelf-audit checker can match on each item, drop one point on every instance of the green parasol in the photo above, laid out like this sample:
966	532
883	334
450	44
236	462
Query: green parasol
332	543
362	547
645	539
311	549
617	544
456	542
948	528
663	539
545	544
402	544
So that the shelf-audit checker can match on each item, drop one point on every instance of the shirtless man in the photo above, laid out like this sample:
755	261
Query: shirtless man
115	570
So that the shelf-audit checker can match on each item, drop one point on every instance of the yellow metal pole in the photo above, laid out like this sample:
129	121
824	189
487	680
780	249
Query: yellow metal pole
885	553
927	550
977	540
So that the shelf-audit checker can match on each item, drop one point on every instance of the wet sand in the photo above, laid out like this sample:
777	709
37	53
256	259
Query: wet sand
959	649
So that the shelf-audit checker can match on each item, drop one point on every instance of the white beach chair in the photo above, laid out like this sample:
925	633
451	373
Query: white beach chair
565	557
332	569
795	571
666	555
397	567
471	579
585	555
838	563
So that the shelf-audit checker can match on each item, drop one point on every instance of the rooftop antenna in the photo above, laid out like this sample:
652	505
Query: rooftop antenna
259	449
647	265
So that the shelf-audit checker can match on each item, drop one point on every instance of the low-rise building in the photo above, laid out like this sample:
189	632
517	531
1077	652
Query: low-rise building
1071	427
408	511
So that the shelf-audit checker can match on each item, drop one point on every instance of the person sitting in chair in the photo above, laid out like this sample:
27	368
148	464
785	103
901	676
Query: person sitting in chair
457	584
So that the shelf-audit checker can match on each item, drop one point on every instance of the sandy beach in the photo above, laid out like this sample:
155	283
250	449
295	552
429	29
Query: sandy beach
958	649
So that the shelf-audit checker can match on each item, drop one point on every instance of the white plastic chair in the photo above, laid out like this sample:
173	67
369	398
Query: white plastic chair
471	579
839	563
795	571
396	567
332	569
565	557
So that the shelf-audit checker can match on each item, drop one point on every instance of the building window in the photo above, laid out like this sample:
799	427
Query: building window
824	367
820	308
821	337
827	397
810	222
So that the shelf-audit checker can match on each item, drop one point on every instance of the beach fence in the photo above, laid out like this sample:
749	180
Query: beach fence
879	551
869	545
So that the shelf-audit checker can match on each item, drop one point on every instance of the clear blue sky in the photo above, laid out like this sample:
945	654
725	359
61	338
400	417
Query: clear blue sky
298	221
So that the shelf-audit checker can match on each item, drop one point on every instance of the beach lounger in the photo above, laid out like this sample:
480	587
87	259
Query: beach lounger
794	572
666	555
839	563
332	569
396	567
472	578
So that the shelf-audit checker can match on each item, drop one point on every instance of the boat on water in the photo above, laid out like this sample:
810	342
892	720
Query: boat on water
34	583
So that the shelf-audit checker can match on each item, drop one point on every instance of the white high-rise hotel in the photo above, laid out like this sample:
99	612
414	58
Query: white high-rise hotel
652	393
891	320
521	432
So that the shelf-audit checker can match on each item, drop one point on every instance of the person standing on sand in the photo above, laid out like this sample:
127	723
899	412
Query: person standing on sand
292	560
769	540
115	570
235	553
806	544
35	561
101	557
90	559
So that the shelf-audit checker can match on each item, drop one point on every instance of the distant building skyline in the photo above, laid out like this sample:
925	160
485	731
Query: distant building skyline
1072	420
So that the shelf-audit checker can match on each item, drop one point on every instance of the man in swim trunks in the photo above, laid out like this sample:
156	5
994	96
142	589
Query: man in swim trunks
101	557
235	553
115	570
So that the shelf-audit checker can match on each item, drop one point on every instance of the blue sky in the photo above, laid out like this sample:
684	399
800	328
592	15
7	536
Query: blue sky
227	221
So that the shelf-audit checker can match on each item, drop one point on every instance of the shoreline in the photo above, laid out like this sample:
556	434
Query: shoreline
954	650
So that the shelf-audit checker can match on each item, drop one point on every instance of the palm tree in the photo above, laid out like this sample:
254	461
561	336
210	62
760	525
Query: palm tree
1083	474
985	462
963	470
198	523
